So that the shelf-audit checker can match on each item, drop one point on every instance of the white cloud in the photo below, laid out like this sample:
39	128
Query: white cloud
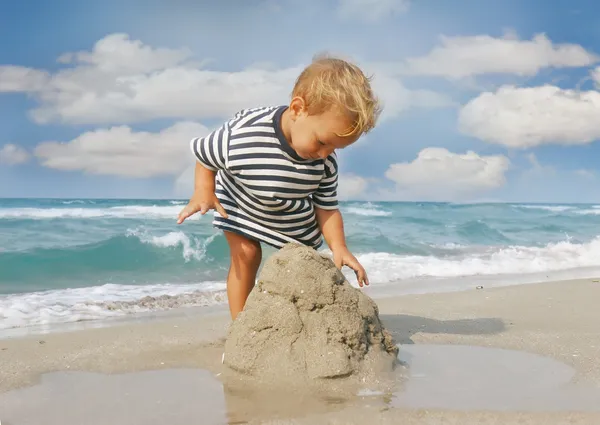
466	56
371	10
117	54
439	174
123	81
396	98
21	79
596	75
123	152
527	117
11	154
351	186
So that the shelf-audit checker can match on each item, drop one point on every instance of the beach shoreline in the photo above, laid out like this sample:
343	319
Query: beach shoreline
125	260
378	292
554	320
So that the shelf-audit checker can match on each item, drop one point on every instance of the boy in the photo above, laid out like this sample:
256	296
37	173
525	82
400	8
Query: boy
271	173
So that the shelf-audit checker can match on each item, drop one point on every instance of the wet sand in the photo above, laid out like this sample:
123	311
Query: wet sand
520	354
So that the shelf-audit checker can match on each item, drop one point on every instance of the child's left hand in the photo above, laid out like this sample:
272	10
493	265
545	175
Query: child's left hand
343	257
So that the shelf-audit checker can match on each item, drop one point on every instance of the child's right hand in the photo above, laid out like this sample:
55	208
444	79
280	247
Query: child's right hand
202	202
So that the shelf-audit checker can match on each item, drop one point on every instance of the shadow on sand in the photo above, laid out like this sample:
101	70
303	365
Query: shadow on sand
403	326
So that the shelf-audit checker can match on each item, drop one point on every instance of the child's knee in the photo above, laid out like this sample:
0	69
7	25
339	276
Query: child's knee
249	251
243	249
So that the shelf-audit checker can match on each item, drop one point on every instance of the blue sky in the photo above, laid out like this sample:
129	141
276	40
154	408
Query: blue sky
484	100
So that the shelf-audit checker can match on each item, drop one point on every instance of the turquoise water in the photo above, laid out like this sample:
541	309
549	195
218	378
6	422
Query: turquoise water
72	260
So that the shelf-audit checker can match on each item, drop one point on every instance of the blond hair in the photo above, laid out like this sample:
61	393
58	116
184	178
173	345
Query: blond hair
333	82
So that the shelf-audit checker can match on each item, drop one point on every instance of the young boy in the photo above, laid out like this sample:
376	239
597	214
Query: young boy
271	174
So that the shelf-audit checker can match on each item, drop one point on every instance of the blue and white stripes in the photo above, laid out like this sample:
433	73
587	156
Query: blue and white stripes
268	191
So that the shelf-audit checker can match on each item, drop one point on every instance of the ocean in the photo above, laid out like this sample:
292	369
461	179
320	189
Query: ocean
89	260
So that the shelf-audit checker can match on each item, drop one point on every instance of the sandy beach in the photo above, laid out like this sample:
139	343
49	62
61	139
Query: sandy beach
525	354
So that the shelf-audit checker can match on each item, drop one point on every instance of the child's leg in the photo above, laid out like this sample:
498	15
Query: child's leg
246	256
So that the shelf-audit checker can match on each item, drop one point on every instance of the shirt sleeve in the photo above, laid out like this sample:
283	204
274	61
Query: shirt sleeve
211	150
326	195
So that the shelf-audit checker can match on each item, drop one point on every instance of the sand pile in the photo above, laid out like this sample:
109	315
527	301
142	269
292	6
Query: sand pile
304	323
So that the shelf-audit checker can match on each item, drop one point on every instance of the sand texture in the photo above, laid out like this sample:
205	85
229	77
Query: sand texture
305	325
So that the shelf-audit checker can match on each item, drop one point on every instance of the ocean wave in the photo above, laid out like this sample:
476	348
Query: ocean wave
118	255
76	201
477	230
551	208
126	211
192	248
102	302
116	300
594	211
367	209
136	251
566	255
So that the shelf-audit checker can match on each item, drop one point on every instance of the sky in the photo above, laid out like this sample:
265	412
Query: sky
484	100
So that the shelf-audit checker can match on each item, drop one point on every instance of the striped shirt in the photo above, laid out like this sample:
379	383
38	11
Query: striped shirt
268	191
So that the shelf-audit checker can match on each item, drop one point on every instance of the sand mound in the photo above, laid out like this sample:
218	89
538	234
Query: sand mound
304	323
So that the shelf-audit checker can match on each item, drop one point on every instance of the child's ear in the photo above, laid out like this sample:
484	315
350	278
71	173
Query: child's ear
297	107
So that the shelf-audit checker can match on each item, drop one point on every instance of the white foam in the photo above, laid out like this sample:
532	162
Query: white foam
594	211
129	211
110	300
450	246
74	201
385	267
367	209
100	302
192	248
552	208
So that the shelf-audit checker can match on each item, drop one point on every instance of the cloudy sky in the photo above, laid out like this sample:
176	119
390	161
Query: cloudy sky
484	100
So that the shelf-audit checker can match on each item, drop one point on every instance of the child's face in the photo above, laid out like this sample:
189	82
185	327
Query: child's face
316	136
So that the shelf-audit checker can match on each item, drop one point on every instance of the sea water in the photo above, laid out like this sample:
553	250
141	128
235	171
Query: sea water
74	260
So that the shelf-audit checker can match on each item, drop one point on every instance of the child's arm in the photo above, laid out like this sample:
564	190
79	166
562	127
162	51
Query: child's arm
331	223
332	226
210	153
203	198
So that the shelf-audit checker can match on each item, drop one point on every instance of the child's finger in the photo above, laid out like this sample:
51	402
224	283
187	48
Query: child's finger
360	277
182	216
364	278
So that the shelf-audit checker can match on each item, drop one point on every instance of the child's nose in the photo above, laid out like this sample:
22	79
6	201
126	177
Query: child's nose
324	153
